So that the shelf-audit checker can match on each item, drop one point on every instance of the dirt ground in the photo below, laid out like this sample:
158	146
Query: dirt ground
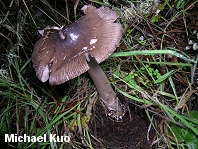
121	135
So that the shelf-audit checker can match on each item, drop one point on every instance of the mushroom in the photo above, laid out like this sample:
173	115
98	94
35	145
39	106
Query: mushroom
63	53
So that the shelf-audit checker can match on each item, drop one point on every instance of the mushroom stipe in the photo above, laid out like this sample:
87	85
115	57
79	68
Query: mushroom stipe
63	53
106	92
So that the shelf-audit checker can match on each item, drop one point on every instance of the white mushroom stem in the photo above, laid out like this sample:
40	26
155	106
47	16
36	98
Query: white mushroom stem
106	92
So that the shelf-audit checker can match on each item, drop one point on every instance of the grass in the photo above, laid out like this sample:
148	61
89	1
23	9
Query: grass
155	73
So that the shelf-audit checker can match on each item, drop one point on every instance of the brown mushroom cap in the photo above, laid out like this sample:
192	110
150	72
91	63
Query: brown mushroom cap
61	53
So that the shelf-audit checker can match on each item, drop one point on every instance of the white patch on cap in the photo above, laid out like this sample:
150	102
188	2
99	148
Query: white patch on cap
73	36
84	8
62	36
84	48
64	57
41	32
56	28
92	48
45	75
92	41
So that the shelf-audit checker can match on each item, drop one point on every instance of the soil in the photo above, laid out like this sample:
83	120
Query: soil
129	134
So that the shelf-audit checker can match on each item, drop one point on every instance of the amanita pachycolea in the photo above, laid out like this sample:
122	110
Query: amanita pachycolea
63	53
